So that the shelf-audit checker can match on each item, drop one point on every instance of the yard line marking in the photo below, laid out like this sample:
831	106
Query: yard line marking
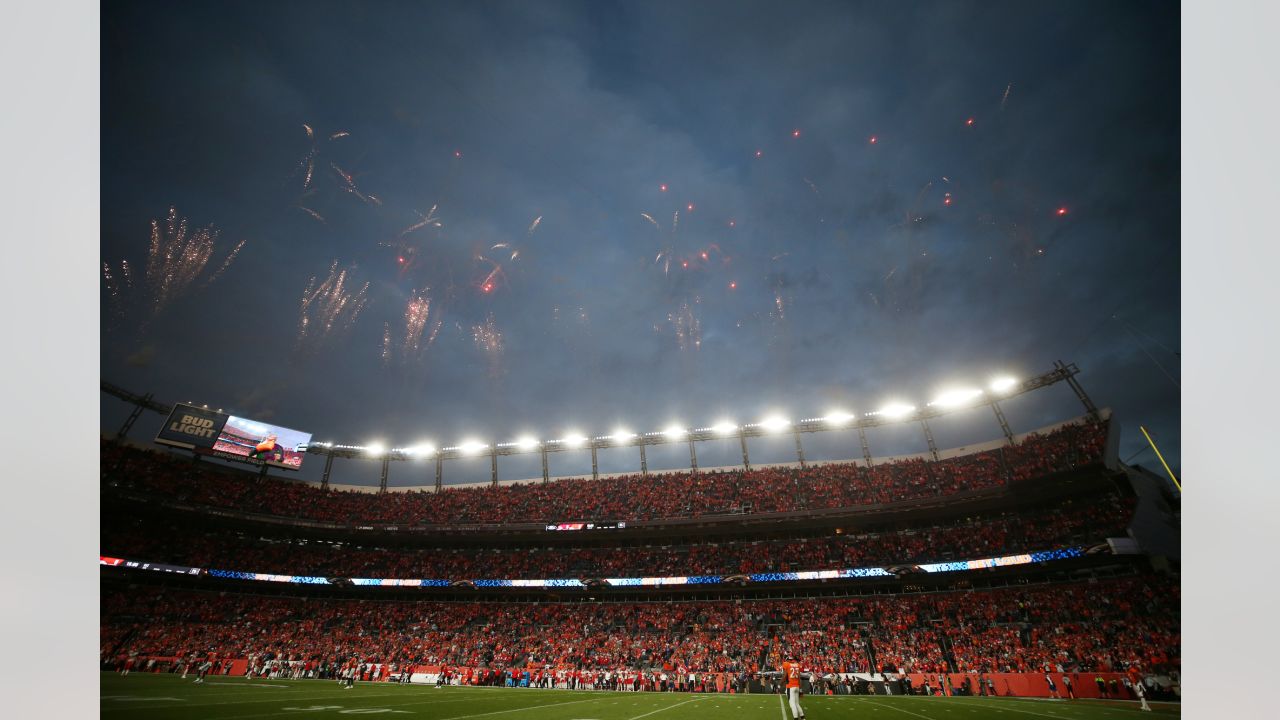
782	708
669	707
278	713
1099	706
1028	712
1106	708
290	698
521	709
892	707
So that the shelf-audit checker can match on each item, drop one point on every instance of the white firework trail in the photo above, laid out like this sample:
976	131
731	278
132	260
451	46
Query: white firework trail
177	257
669	241
113	289
488	339
429	219
311	212
225	264
420	328
329	308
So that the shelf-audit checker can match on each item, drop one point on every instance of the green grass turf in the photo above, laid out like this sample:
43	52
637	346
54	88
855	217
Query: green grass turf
168	697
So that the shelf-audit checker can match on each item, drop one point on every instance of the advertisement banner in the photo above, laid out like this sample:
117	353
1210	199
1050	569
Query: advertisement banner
192	427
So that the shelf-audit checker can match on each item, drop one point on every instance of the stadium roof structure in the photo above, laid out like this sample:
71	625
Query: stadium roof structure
891	415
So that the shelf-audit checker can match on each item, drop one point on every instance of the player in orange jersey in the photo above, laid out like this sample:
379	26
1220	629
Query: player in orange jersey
791	674
1135	679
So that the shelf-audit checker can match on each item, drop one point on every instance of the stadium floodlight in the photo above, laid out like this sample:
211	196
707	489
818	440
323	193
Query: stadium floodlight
838	417
724	427
375	448
471	447
574	440
774	423
674	432
621	435
423	449
1003	384
956	398
896	410
527	442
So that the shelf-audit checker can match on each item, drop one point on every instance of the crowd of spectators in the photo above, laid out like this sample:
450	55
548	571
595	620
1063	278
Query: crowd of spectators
1081	627
1062	524
631	497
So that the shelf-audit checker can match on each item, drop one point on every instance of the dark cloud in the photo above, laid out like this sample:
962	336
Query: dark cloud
851	273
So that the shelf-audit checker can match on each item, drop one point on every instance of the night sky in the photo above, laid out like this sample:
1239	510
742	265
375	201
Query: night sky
875	201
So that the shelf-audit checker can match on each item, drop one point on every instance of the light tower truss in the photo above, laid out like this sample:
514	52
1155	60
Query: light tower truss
1060	373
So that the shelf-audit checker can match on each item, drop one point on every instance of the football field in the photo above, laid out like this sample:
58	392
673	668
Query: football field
166	697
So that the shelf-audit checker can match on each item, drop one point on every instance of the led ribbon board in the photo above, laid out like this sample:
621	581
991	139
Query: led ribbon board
849	573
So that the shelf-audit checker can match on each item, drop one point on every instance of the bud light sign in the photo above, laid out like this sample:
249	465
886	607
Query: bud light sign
191	427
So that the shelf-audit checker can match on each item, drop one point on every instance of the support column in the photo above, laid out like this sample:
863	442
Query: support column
386	466
644	464
439	471
134	414
1004	424
328	468
928	435
493	464
866	449
746	461
546	477
799	449
693	456
1070	373
595	466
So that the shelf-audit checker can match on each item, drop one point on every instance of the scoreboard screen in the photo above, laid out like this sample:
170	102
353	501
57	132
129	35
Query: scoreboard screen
216	434
570	526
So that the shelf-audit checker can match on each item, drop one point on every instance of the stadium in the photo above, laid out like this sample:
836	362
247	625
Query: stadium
1034	566
575	360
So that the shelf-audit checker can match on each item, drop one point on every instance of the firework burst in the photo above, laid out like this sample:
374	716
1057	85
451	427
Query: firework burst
488	340
687	327
428	220
667	253
494	277
114	298
307	165
349	185
329	308
420	329
177	257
